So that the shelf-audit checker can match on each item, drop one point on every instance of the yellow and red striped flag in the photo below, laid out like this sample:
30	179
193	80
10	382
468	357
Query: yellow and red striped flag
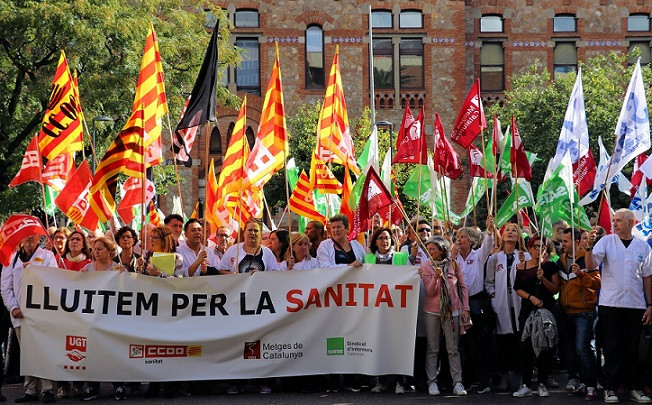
302	201
211	195
150	92
321	177
61	129
270	150
125	155
334	143
195	212
153	216
229	185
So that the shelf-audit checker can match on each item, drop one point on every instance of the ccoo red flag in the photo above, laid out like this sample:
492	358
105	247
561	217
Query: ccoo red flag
30	169
411	143
446	160
476	162
471	120
517	157
14	230
374	198
605	216
134	196
584	172
73	199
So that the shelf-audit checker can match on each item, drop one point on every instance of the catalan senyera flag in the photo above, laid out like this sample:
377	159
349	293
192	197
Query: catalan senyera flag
61	129
334	143
150	92
211	195
302	201
153	216
321	177
125	155
229	184
270	150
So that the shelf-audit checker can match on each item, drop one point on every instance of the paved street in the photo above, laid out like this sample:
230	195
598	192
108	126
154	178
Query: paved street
558	396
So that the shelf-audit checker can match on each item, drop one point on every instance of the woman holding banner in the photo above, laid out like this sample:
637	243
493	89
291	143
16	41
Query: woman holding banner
127	239
250	255
446	304
76	255
104	250
162	241
338	251
299	258
383	249
499	282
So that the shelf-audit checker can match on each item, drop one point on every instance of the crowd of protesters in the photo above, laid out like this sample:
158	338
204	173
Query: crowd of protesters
491	303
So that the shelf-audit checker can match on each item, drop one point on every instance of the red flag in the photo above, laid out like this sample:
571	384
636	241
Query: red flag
373	199
637	174
517	157
411	145
495	137
58	170
475	163
525	218
584	171
605	216
73	199
30	169
445	158
14	230
406	122
470	121
134	196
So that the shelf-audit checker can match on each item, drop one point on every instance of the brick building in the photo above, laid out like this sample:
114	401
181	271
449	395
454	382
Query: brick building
425	53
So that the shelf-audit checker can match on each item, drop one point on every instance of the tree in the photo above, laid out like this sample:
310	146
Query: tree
539	103
104	43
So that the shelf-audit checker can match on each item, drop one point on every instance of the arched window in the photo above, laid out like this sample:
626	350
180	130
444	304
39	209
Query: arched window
251	137
314	57
229	132
215	144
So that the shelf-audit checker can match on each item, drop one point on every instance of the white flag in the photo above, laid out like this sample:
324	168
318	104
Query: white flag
633	128
574	135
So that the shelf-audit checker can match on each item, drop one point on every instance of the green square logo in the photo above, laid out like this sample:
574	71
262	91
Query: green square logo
335	346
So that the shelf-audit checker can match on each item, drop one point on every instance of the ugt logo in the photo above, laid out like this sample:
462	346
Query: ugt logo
251	350
76	348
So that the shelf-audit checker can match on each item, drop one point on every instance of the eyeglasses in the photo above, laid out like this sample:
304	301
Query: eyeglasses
126	237
383	238
75	239
536	246
424	230
222	235
437	227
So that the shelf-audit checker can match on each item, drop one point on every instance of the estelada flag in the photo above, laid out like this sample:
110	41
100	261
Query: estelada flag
374	198
302	201
73	199
30	169
517	157
411	146
134	196
446	160
14	230
61	129
471	120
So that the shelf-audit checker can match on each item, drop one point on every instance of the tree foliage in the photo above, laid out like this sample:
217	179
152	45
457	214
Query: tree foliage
104	42
538	104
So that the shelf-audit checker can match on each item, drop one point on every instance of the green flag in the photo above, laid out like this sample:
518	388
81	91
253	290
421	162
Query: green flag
510	206
50	195
479	186
370	154
554	200
431	195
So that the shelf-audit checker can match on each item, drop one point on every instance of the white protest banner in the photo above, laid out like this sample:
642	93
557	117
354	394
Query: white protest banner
111	326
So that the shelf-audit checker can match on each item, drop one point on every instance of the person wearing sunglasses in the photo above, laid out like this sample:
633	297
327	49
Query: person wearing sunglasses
416	253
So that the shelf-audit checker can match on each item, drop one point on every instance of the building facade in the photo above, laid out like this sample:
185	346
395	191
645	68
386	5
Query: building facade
425	53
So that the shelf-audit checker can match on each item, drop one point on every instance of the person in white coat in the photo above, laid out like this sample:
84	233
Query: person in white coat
499	283
338	251
10	283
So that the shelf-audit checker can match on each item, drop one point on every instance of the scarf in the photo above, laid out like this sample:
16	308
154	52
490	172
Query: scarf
386	256
79	258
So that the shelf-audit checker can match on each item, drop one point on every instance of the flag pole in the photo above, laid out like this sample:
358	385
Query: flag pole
174	162
418	191
45	203
143	178
372	90
484	161
207	136
475	219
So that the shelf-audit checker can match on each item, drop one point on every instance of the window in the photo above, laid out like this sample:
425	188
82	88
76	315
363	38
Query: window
564	23
215	143
381	19
247	75
565	58
383	63
410	19
314	57
251	137
638	22
644	49
492	67
411	63
229	132
491	23
246	19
